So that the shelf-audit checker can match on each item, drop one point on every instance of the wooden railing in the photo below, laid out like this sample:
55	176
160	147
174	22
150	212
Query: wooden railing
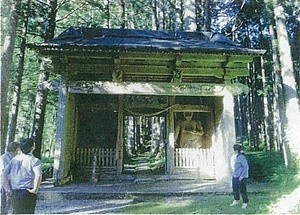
194	158
100	157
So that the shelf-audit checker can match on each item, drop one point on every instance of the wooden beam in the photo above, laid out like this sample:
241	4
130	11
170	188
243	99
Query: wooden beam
147	55
191	108
143	88
201	63
206	71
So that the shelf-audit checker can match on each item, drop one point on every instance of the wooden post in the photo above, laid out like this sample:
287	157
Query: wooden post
119	145
170	144
60	135
224	137
65	136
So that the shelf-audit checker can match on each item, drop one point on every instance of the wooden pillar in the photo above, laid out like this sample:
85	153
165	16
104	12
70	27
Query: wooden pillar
170	143
65	133
119	145
60	134
224	136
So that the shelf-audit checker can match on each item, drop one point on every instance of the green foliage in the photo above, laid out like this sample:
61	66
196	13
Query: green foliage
157	161
47	162
47	167
269	167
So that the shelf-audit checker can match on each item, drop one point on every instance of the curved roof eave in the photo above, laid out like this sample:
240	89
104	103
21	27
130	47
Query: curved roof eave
96	48
100	39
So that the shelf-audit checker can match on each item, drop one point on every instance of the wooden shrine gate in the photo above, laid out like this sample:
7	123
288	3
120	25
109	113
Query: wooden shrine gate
95	63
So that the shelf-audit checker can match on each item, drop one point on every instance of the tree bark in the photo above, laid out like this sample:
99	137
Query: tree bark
278	103
189	14
207	21
267	126
9	20
179	15
291	108
123	15
42	93
155	23
107	9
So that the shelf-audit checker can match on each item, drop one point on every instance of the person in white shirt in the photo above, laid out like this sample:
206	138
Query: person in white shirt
25	172
12	150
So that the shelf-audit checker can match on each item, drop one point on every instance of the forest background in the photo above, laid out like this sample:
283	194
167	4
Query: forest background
267	117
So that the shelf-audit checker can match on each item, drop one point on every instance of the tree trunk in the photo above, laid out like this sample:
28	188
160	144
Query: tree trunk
266	124
296	45
39	111
9	20
42	93
252	131
17	88
207	21
238	120
189	14
179	15
107	9
278	103
291	108
123	15
155	23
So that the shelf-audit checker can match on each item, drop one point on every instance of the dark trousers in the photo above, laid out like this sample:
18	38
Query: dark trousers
23	202
240	187
4	202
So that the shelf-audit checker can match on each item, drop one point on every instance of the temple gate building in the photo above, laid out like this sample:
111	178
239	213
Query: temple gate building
109	75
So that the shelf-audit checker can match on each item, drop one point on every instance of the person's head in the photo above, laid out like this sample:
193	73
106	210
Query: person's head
27	145
188	115
237	148
13	147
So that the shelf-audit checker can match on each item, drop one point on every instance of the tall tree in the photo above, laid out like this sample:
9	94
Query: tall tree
42	93
19	75
277	91
189	15
291	108
9	20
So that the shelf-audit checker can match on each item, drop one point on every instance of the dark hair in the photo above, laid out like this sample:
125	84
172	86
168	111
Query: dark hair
237	147
12	146
26	145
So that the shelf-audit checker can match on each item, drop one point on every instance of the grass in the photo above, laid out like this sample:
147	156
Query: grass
207	204
265	167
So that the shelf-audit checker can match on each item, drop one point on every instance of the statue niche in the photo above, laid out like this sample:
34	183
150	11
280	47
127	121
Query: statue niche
188	132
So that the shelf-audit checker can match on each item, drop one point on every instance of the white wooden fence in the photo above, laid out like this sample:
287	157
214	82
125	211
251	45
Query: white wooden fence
91	159
100	157
202	159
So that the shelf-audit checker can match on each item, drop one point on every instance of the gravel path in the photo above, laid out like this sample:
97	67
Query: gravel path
88	206
287	204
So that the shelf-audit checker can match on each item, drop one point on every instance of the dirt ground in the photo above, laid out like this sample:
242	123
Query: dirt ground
86	206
